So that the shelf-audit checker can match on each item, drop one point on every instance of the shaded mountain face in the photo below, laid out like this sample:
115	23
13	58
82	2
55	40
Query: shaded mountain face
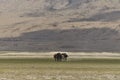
72	40
60	25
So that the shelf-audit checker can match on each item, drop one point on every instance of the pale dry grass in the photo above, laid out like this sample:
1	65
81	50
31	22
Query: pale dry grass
6	54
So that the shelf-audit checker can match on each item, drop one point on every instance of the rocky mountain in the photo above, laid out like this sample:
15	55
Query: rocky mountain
37	8
60	25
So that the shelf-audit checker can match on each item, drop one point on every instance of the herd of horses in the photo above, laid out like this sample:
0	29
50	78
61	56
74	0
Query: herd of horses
60	57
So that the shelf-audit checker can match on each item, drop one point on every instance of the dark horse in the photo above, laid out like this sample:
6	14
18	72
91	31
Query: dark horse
60	57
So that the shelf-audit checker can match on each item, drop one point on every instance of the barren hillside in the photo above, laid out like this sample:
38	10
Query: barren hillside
60	25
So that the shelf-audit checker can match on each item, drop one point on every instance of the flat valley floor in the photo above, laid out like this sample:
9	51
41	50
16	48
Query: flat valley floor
20	66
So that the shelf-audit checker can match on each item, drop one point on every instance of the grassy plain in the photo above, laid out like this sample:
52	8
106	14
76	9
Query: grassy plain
48	69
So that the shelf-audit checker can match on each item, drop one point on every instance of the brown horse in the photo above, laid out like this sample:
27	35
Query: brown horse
64	56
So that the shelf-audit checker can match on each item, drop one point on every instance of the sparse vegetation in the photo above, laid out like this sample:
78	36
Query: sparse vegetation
48	69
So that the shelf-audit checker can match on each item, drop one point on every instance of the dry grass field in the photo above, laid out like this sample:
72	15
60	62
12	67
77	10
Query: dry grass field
43	67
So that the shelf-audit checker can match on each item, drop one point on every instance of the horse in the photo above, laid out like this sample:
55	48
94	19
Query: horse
64	56
60	57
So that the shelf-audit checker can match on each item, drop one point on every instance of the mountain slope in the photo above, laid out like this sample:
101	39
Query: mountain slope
58	6
60	25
